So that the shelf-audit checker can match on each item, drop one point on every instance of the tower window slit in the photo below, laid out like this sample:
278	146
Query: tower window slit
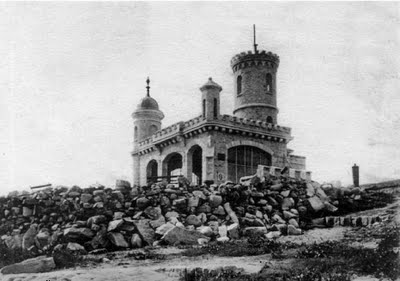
269	82
215	108
239	85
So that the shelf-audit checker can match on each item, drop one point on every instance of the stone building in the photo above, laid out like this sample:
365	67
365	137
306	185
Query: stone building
214	147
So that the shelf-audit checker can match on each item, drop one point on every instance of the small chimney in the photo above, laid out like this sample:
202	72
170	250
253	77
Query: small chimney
356	175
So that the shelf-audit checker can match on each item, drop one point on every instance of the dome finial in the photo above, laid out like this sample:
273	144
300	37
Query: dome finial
148	86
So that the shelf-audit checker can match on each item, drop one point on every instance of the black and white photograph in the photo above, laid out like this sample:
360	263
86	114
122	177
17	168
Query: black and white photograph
199	141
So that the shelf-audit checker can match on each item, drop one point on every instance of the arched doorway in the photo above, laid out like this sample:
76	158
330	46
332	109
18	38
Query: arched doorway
195	164
172	166
243	161
152	171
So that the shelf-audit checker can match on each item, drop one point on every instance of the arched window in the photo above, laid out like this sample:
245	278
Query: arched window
215	108
243	161
270	119
153	129
204	108
269	82
135	133
239	85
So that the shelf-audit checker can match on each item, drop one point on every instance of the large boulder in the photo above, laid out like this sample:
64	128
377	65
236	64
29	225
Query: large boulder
85	197
231	213
78	234
171	214
292	230
330	208
118	240
75	247
254	230
153	213
206	230
287	203
158	222
13	241
233	231
28	240
182	236
115	225
142	203
310	190
145	231
161	230
99	219
193	202
35	265
100	240
223	231
215	200
316	203
193	220
136	241
42	239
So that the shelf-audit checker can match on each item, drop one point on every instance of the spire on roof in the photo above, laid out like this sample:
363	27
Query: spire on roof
254	39
148	86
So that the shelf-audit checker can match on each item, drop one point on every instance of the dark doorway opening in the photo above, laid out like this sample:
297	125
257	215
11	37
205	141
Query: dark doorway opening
197	164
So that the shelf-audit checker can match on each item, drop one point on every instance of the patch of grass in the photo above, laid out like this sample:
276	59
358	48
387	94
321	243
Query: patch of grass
233	274
10	256
253	246
380	262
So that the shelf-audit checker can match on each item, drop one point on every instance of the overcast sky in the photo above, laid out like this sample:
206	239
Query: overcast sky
72	74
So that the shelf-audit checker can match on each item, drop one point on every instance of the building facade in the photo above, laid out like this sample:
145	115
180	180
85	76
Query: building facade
214	147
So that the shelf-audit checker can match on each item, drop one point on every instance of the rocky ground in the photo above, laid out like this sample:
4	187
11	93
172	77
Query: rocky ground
270	229
169	263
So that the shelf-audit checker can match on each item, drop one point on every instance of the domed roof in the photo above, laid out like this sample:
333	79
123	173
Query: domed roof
210	84
148	103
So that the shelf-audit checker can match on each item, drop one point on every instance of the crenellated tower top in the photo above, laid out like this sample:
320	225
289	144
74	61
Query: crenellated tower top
255	84
250	58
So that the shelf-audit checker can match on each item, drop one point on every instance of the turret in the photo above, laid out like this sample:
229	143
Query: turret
146	118
255	85
210	101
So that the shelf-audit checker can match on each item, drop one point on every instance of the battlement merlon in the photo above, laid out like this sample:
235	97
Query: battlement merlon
245	59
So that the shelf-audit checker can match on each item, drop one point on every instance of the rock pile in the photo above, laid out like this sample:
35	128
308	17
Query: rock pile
96	219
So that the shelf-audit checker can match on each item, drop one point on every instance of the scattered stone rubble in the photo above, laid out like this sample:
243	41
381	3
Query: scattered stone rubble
98	219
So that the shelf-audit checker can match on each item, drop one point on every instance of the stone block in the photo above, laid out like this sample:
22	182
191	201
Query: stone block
193	220
233	231
145	231
316	203
177	235
34	265
161	230
118	240
291	230
114	225
254	230
136	241
153	213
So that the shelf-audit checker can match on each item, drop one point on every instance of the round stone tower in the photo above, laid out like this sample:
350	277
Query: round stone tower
146	118
255	85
